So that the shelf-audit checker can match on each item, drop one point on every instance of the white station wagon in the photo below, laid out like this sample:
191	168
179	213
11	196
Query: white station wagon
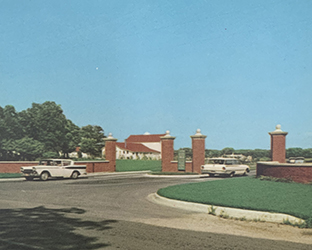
224	166
54	168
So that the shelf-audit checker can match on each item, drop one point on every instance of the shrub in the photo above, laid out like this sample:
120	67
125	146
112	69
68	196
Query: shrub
271	178
308	223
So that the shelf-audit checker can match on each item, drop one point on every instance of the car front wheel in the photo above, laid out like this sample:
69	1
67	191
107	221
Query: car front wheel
75	175
44	176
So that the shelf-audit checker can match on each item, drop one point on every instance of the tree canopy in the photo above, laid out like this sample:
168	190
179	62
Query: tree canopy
92	140
43	130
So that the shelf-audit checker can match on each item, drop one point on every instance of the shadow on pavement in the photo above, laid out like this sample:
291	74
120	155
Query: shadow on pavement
42	228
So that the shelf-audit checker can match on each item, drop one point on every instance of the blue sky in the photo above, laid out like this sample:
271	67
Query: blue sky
234	69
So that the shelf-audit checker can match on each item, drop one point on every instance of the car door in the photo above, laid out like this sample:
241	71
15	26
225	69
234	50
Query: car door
57	169
67	170
237	167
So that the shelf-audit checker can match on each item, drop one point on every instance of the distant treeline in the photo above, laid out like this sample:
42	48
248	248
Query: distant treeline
256	154
44	131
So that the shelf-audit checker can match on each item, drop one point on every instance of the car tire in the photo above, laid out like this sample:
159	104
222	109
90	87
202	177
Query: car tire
75	175
232	174
44	176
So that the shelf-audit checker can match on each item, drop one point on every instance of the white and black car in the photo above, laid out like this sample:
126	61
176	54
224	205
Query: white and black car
224	166
54	168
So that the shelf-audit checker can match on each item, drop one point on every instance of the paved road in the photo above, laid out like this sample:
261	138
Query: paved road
104	212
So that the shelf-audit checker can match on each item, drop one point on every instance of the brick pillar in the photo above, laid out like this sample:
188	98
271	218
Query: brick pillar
167	153
278	145
198	146
110	152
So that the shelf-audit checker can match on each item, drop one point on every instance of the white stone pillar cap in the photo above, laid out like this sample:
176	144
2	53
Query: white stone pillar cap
110	138
278	131
167	136
198	134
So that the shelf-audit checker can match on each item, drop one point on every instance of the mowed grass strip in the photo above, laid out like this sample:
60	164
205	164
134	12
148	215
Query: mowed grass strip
10	175
247	193
137	165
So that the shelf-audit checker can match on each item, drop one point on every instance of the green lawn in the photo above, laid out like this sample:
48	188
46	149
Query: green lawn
137	165
247	193
10	175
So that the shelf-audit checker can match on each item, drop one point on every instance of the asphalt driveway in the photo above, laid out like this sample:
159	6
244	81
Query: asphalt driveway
111	212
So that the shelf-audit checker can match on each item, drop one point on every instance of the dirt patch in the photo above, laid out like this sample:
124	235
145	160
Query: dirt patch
213	224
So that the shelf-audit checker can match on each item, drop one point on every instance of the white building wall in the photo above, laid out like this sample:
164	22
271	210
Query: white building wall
125	154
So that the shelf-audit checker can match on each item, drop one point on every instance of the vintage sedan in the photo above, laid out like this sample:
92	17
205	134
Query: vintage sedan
224	166
54	168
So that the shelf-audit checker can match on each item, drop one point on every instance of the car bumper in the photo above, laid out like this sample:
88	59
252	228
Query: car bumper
219	172
30	174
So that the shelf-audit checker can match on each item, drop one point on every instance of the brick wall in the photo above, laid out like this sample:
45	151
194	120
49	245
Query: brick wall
14	166
297	172
189	167
97	166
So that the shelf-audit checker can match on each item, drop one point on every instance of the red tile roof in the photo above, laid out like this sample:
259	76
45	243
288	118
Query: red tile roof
135	147
144	138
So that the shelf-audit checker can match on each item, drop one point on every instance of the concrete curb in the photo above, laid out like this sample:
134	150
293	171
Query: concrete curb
225	212
194	176
176	176
116	173
12	179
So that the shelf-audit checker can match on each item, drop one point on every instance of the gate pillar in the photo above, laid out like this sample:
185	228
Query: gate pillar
167	153
198	146
278	145
110	152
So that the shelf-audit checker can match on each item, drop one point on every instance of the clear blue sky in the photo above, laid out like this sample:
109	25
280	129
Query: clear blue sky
234	69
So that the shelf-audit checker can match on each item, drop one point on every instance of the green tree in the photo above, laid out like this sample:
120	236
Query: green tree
227	151
294	152
2	134
10	126
10	130
92	140
25	148
43	130
307	153
46	123
209	153
72	138
261	153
